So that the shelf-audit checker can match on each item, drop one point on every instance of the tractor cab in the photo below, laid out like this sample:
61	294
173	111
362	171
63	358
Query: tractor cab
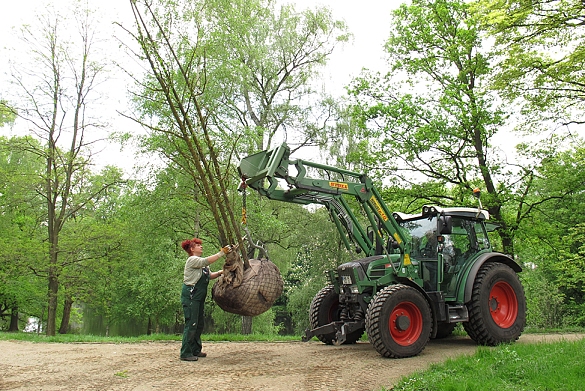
444	240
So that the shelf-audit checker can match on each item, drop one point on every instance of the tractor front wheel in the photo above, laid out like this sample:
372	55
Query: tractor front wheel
324	310
398	321
497	310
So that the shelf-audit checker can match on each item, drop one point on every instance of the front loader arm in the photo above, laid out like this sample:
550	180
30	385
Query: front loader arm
263	170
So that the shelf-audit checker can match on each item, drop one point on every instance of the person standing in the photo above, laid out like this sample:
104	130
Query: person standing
196	277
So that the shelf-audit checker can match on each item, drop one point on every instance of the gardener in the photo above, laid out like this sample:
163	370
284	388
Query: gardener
195	280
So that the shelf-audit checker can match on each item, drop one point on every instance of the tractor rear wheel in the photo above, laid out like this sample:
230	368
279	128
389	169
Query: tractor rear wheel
398	321
497	310
324	310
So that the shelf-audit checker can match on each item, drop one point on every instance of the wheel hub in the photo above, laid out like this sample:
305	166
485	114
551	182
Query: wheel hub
402	323
494	305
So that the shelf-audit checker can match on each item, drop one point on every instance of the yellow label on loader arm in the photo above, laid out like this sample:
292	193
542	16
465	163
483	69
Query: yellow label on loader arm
379	208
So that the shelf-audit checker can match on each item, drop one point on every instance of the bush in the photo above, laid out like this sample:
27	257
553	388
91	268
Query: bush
545	307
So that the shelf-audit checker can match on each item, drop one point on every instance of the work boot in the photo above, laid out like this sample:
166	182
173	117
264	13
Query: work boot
201	354
192	358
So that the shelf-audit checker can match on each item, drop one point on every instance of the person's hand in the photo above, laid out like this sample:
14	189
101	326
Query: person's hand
227	249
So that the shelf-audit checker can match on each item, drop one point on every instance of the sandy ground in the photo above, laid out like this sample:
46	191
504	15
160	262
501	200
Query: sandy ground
229	365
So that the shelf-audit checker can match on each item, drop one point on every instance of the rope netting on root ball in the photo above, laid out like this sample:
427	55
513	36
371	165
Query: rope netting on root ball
248	292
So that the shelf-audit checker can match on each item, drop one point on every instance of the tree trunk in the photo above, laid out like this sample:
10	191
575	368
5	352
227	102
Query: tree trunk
14	319
39	325
149	327
247	325
505	232
66	316
52	307
507	241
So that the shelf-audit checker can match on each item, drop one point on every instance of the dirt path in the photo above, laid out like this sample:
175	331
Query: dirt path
229	366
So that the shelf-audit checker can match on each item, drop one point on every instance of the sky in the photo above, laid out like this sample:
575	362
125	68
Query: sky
367	20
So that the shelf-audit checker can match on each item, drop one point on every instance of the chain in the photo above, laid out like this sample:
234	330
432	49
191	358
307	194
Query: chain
243	187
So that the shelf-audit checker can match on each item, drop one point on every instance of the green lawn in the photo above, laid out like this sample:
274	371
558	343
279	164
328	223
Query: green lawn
544	366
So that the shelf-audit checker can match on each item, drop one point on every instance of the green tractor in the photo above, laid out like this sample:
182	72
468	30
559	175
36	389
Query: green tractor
419	274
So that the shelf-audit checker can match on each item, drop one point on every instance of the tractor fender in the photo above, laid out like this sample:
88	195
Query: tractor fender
483	258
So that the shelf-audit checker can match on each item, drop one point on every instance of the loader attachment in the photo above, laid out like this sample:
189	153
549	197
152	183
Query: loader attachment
262	170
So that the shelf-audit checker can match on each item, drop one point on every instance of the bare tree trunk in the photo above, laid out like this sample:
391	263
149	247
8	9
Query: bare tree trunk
247	325
14	319
39	325
66	316
52	305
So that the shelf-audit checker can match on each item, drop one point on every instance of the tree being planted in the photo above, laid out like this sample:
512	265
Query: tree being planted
176	91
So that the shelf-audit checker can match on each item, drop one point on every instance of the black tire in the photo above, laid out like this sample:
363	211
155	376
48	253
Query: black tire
393	305
497	310
324	310
444	330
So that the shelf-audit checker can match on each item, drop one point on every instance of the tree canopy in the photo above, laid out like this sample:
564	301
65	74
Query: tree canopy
541	45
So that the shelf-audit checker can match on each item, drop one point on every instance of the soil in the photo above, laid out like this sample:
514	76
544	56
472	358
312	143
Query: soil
229	365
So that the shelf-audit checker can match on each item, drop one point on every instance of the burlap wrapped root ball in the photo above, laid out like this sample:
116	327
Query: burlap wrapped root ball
247	292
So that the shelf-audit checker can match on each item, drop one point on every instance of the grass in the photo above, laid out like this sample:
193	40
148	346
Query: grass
518	367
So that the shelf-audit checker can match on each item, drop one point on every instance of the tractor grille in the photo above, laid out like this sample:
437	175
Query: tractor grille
378	271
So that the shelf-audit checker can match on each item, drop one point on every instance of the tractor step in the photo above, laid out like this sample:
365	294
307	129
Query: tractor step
458	313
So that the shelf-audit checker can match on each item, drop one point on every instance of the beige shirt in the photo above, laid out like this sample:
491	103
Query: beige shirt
192	272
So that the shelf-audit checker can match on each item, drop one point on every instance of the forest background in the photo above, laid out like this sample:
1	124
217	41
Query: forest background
482	94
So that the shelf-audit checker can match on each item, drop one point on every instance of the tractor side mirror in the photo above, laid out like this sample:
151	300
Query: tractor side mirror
445	225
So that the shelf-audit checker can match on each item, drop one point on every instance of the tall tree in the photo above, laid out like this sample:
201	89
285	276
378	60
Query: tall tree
263	59
172	98
433	111
434	116
242	71
56	89
21	217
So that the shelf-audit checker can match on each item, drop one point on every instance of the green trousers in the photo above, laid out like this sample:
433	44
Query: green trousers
193	305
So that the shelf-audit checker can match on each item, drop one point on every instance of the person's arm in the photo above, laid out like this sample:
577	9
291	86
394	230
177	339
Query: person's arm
216	274
225	250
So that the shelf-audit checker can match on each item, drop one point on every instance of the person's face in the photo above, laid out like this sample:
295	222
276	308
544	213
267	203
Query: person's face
197	249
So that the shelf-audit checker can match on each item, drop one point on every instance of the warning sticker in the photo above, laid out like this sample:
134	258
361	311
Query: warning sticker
338	185
379	208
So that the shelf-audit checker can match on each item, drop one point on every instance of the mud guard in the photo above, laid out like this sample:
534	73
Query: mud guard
493	256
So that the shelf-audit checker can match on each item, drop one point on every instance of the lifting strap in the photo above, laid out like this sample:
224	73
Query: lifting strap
243	190
253	246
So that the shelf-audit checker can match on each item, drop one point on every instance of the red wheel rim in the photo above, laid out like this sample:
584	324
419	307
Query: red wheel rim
405	323
503	304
